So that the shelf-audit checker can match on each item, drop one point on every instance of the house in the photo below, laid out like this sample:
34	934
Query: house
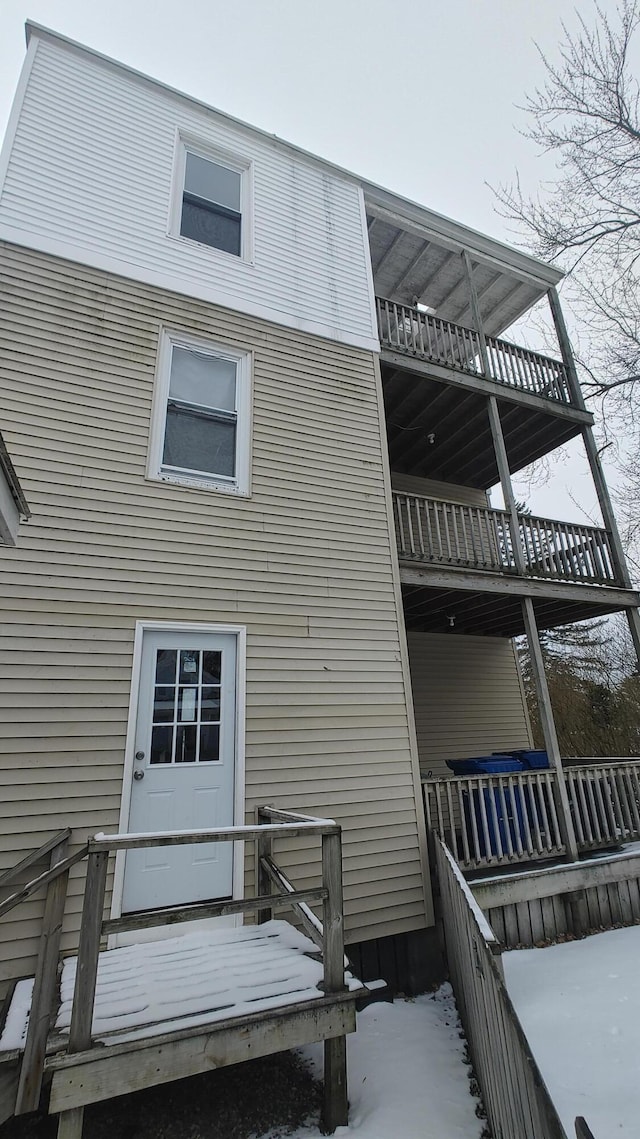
256	404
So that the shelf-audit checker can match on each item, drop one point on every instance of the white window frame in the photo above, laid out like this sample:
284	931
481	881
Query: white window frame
242	166
240	485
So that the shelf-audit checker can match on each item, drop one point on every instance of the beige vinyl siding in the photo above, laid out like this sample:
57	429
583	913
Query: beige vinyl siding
432	488
305	564
467	697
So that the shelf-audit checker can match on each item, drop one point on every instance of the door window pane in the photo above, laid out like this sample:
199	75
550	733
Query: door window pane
161	743
189	666
210	743
211	665
210	704
166	666
186	741
163	705
188	704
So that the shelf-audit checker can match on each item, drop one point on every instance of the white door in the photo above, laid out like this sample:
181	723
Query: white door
183	769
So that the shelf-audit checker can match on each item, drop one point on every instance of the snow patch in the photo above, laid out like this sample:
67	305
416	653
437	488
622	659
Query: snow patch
579	1004
15	1030
407	1075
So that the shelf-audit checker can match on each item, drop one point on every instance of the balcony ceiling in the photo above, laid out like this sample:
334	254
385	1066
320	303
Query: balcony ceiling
489	614
418	408
408	265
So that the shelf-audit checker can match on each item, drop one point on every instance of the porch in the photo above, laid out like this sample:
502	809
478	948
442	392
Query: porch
489	821
134	1016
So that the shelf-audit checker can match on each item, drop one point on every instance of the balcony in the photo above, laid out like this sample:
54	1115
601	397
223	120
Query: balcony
431	531
421	336
497	820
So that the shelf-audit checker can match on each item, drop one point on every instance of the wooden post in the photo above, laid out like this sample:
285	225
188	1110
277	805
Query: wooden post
335	1111
475	313
505	482
263	849
597	472
44	989
549	730
70	1122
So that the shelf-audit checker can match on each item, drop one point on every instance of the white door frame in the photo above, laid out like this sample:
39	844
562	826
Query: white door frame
240	633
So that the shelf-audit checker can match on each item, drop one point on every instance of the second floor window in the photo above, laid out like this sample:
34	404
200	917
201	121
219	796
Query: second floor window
212	204
201	423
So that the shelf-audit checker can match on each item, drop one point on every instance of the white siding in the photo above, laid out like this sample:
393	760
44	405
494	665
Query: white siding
90	178
306	564
467	697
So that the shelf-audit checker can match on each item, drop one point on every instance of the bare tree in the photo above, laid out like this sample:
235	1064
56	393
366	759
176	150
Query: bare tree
587	115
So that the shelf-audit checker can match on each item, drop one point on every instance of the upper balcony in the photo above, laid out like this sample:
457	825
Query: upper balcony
436	285
418	335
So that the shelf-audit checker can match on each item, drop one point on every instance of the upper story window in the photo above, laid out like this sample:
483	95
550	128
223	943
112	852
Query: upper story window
200	434
211	204
212	197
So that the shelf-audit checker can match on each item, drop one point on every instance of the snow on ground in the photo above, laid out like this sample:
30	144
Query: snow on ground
579	1004
407	1076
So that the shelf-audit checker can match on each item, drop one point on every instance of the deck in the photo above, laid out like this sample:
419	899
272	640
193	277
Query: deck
122	1019
188	1004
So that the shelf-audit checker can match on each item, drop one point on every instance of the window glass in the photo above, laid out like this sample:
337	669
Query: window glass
186	712
211	204
201	420
195	442
197	377
206	179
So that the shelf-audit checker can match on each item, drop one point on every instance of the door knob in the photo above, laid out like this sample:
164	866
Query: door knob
137	775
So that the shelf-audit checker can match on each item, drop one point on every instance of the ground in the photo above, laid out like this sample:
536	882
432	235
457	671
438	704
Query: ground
579	1005
407	1078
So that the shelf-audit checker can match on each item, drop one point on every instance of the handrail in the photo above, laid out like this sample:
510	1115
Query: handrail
35	856
406	329
452	533
93	927
42	880
514	1092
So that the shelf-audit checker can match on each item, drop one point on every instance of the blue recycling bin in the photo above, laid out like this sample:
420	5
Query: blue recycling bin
503	808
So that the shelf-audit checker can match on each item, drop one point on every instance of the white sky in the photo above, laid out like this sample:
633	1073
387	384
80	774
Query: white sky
422	98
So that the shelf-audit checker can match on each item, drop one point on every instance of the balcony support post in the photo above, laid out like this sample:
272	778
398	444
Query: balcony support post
475	312
549	730
505	482
597	472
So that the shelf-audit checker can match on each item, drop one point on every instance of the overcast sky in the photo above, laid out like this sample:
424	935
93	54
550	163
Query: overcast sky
422	98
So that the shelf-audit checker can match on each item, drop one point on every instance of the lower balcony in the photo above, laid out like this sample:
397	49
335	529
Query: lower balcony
431	531
505	819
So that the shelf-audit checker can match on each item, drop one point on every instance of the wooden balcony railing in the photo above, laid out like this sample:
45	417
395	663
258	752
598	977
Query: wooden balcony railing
406	329
493	820
430	530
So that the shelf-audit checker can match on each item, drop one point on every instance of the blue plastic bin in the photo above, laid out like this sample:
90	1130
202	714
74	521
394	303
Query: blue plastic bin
504	808
531	760
484	765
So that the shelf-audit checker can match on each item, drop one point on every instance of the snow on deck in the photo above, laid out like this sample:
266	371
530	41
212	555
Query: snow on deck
579	1004
196	978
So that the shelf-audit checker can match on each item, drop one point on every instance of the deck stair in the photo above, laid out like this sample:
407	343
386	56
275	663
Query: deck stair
123	1018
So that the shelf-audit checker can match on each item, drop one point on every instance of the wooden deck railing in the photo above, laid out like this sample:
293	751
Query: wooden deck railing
495	820
273	891
431	530
406	329
515	1096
